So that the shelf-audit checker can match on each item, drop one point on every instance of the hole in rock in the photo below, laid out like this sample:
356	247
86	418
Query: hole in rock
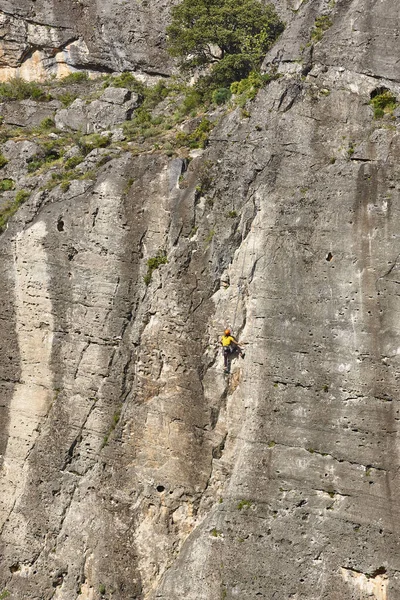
60	225
329	256
160	488
379	571
72	252
378	92
15	567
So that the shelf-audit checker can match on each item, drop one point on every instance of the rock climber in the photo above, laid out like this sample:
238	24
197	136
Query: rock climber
229	347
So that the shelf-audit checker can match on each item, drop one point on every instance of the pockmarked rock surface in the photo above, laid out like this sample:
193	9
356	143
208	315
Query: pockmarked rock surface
130	466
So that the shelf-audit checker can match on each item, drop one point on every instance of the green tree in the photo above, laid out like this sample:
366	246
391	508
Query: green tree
232	36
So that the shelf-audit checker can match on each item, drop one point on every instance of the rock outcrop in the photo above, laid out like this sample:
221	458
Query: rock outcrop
40	38
131	467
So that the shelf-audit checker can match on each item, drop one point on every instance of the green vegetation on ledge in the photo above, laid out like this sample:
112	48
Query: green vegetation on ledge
153	263
383	102
19	89
225	41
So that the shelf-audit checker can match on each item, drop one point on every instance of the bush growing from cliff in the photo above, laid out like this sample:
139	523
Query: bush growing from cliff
153	263
229	36
221	95
67	98
125	80
77	77
87	143
199	137
19	89
247	88
383	101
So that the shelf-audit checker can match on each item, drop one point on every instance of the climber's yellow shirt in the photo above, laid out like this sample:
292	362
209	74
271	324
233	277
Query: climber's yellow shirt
227	339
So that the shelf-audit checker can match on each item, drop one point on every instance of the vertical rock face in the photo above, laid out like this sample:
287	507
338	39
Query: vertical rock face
54	37
131	467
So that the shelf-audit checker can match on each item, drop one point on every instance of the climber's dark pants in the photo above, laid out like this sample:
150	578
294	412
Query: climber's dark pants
228	351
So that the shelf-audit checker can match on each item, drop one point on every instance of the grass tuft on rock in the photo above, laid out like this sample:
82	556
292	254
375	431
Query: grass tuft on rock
383	102
322	24
87	143
153	263
11	208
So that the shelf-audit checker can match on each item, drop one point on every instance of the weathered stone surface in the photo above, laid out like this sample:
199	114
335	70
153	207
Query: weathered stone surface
44	37
27	113
117	95
131	467
18	155
113	108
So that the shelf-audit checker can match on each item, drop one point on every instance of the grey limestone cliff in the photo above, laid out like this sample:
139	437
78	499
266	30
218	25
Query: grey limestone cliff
131	467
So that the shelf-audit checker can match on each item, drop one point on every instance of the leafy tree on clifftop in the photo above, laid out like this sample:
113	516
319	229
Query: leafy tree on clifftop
231	36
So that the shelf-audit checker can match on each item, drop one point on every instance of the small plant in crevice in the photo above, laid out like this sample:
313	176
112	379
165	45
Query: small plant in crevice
73	162
11	207
3	161
232	214
243	504
21	196
6	185
209	237
87	143
65	185
115	421
153	263
384	102
46	124
351	149
67	98
322	24
215	532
